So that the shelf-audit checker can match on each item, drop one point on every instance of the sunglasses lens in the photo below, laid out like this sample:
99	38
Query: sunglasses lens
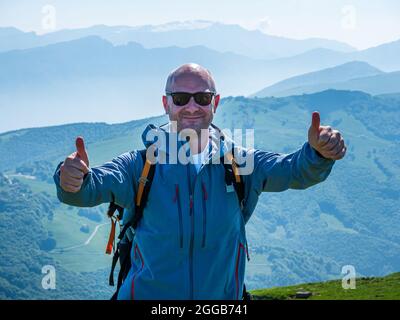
180	99
203	98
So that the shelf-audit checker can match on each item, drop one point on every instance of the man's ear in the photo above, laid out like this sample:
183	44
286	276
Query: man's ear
216	101
165	103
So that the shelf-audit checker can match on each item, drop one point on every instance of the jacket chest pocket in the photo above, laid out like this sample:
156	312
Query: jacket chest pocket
163	216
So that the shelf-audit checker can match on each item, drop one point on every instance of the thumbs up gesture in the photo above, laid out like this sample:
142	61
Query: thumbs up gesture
74	168
327	141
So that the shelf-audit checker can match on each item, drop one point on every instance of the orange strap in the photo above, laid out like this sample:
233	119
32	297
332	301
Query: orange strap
142	181
111	237
234	167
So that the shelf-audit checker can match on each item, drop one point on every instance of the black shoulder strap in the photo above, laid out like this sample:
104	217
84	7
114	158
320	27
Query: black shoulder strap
233	177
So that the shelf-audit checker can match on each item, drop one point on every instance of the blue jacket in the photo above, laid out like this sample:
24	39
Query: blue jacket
191	242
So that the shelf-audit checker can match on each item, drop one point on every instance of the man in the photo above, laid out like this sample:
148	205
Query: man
191	242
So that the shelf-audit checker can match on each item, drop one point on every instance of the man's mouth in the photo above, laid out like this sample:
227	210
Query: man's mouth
192	117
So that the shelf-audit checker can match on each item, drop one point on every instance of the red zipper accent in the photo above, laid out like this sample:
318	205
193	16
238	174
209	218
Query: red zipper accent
237	270
191	202
204	191
134	276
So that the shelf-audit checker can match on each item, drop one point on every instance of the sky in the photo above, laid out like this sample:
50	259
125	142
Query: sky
360	23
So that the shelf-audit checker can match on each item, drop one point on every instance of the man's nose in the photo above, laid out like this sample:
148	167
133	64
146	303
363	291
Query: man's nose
192	106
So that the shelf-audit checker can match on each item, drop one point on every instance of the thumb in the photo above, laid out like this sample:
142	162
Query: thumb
316	121
81	151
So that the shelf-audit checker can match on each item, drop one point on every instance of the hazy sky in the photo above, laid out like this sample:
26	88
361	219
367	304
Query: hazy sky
361	23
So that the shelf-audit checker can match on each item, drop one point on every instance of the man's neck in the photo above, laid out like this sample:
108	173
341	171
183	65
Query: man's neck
198	144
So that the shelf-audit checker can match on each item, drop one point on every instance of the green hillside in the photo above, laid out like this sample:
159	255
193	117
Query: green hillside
367	288
27	245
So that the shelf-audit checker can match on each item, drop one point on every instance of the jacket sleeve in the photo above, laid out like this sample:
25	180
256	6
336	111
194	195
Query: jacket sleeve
112	181
275	172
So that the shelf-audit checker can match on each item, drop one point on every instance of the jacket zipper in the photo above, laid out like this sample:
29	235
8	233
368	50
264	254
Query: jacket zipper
178	200
191	235
191	213
205	197
240	247
138	271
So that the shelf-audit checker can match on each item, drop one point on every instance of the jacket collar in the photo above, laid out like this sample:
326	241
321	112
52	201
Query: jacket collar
219	144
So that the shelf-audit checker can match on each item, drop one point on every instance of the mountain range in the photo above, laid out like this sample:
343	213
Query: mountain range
74	80
217	36
353	75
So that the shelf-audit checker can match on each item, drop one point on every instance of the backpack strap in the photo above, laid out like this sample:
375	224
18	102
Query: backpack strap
123	254
232	176
126	235
110	213
145	181
111	237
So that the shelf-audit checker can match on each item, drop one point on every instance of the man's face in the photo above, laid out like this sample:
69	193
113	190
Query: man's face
191	115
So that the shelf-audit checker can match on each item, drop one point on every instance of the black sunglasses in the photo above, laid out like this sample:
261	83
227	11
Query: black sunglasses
182	98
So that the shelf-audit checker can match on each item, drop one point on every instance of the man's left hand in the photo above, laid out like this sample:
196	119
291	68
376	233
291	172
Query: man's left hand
327	141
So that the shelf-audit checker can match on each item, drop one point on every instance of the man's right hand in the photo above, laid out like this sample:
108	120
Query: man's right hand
74	168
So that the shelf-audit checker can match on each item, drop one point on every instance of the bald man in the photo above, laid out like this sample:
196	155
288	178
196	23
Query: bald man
190	242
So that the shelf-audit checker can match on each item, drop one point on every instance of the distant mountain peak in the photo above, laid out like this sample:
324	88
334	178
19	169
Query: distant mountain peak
182	25
354	65
12	31
340	93
87	41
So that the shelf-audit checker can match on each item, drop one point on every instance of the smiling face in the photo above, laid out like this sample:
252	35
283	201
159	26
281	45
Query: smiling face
192	79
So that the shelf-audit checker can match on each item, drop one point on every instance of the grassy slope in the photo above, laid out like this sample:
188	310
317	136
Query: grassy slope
65	228
371	288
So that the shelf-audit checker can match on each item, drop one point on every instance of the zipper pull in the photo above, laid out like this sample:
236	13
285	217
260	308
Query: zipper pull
191	204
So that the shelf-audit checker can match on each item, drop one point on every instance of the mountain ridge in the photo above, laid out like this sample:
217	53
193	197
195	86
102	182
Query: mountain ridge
177	32
354	75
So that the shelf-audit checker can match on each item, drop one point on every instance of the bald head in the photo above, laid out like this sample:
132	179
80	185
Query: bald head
190	71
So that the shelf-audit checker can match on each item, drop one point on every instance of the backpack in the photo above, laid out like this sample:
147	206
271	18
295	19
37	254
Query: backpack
123	248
